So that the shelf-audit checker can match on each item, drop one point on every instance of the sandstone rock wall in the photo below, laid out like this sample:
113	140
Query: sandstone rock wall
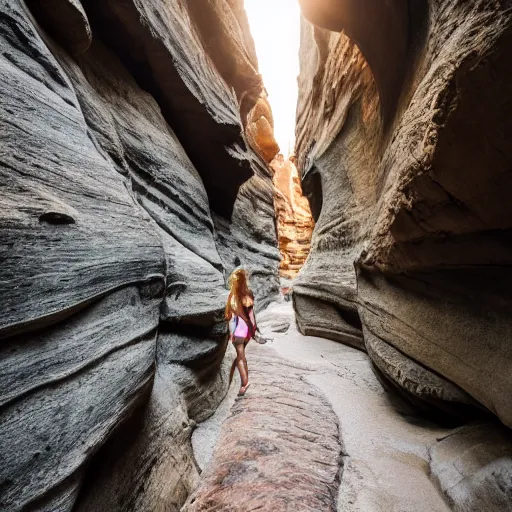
128	191
293	216
408	177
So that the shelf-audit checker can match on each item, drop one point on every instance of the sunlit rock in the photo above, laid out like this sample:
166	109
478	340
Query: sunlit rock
260	130
381	30
294	220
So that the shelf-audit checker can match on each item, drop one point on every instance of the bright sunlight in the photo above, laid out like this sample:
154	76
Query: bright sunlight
275	27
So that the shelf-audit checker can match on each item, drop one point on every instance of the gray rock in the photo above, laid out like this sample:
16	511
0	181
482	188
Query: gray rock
423	387
112	284
150	465
473	467
66	21
321	319
274	319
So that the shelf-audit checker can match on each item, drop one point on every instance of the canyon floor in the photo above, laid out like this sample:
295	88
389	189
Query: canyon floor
315	431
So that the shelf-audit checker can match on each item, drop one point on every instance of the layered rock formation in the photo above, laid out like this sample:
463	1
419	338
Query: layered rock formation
403	146
278	450
293	216
129	191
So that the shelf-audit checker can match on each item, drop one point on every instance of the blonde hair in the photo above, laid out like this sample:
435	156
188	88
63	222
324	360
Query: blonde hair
238	289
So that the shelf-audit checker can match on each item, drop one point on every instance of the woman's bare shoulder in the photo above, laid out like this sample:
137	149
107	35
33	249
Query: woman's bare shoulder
248	300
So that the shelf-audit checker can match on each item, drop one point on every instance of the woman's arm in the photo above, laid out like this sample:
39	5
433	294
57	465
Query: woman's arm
252	317
248	303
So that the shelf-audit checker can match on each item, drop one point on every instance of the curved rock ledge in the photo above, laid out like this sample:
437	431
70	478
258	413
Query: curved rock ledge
412	218
66	21
381	30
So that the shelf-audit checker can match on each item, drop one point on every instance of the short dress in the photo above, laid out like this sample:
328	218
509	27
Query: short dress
239	328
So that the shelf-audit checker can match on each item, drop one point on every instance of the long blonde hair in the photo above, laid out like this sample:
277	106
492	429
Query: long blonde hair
238	289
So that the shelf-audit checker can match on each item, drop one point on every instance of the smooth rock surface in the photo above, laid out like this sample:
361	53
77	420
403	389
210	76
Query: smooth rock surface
321	319
473	466
412	220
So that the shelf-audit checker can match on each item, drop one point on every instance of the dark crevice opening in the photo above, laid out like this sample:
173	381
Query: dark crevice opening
312	190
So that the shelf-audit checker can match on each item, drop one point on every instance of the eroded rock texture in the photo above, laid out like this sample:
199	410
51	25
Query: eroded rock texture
128	192
293	216
409	182
279	450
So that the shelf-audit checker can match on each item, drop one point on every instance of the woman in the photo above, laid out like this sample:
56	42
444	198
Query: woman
242	323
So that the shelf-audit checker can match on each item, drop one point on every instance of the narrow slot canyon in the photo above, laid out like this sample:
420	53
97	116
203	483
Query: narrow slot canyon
354	157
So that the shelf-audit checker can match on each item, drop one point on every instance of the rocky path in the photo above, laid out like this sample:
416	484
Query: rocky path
315	432
279	449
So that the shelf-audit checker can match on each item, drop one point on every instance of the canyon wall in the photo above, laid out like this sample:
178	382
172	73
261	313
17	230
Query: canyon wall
135	138
293	215
404	148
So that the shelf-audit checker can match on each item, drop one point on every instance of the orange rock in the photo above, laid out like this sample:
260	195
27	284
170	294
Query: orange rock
293	215
260	130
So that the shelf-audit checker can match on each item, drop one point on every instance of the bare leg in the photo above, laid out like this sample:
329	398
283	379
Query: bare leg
241	364
245	362
232	371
